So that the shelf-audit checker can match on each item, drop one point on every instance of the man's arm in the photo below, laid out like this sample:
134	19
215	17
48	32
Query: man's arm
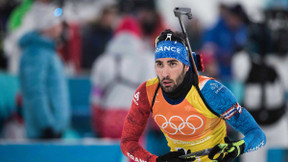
223	102
134	126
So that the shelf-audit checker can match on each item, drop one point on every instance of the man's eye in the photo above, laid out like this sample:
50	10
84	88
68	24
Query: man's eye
159	64
172	64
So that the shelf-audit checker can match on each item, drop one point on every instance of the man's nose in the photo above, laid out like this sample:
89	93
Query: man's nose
165	72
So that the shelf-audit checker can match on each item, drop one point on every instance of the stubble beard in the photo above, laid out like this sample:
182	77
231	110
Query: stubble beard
174	85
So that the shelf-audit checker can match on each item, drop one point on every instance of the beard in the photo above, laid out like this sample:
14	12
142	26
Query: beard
174	83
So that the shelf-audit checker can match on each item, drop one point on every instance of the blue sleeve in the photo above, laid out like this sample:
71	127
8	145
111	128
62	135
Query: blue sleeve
222	101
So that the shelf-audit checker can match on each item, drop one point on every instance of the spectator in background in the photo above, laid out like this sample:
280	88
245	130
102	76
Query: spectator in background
263	73
210	63
116	75
226	37
71	48
16	17
20	22
195	33
96	35
6	7
150	20
42	79
146	13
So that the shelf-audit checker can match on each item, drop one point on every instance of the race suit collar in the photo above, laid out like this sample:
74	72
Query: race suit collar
181	91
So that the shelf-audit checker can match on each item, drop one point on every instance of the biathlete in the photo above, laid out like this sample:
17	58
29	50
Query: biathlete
190	110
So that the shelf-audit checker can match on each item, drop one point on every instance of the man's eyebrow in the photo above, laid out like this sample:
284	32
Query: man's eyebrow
157	61
172	61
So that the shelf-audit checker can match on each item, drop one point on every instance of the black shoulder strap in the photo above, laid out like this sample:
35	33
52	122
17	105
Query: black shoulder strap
117	60
117	77
121	79
154	97
195	82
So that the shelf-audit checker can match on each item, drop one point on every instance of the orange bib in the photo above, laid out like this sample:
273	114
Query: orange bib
189	124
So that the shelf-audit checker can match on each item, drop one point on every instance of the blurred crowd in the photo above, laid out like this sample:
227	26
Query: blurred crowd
44	42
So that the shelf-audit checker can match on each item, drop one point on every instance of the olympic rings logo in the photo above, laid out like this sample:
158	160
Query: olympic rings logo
181	126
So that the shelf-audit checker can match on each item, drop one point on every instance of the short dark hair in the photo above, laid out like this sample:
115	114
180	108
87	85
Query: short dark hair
176	36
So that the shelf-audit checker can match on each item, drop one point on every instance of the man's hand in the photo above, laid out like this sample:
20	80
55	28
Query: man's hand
174	157
228	150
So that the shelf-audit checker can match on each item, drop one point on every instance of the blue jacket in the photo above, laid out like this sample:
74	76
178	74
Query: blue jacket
43	85
227	42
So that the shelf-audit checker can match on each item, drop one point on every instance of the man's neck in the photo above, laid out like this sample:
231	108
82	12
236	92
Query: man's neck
181	91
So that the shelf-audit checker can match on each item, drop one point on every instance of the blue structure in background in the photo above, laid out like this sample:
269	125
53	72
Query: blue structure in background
156	143
79	90
9	87
99	151
277	155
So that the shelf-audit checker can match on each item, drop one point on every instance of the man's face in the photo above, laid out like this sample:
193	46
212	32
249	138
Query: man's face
170	73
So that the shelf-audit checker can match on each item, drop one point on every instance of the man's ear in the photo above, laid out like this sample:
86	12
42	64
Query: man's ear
186	68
